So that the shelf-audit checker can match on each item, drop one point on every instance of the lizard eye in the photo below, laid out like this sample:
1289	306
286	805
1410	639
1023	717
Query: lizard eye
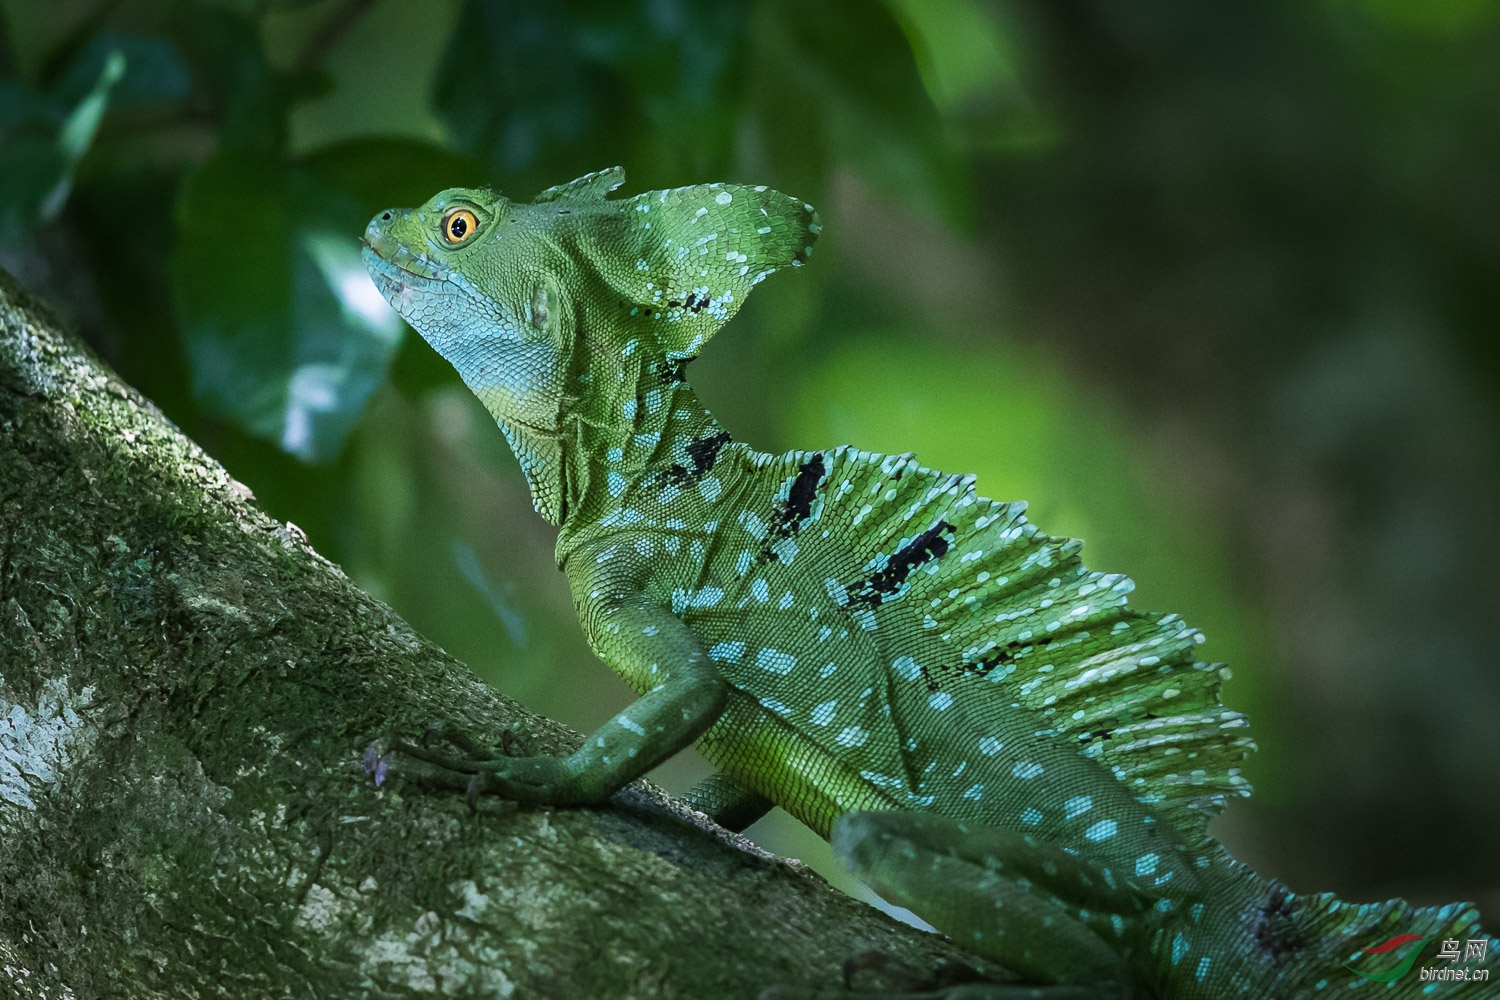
459	226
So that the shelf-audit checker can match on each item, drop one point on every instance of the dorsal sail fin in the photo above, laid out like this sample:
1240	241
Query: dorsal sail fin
592	187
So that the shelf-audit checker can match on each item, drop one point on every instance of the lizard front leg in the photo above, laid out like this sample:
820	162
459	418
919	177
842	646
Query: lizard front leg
685	696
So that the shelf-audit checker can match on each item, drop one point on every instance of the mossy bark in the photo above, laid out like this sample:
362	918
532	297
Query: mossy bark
186	689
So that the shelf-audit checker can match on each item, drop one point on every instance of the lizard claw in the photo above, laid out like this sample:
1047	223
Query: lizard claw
444	731
476	769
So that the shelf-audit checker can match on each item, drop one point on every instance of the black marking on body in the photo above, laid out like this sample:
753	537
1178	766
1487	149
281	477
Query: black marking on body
797	507
672	372
692	303
995	657
1001	655
924	548
702	453
980	667
1275	928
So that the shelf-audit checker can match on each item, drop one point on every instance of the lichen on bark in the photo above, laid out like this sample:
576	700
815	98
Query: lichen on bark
186	689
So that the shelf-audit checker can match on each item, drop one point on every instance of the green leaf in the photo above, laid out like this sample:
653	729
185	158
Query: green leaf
835	83
154	71
972	66
514	88
39	157
30	167
235	80
543	90
285	334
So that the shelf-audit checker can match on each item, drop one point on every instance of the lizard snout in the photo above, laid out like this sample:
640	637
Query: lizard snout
380	225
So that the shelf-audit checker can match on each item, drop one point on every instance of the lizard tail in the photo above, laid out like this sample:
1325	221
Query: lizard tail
1299	946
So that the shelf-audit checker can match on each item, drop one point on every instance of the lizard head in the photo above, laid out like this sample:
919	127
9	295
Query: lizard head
480	290
564	306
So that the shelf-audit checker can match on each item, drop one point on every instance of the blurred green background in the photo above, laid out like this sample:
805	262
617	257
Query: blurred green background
1215	287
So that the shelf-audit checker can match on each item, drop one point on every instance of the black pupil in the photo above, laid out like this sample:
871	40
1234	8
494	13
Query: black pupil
458	227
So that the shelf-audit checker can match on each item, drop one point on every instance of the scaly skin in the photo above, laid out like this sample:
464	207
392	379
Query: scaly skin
990	736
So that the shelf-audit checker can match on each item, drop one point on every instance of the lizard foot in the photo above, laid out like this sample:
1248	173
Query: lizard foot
444	731
452	771
479	769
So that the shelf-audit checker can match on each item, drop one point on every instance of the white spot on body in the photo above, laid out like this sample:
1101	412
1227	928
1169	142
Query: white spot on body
706	597
753	525
775	661
853	736
727	652
1102	830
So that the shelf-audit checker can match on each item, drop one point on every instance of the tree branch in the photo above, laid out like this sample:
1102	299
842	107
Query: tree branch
186	688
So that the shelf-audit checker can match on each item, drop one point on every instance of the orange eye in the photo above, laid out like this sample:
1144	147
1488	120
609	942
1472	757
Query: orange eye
459	226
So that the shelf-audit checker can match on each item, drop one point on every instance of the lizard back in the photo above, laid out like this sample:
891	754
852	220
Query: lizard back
896	641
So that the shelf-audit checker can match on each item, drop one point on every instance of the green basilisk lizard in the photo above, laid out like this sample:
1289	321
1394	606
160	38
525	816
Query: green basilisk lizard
989	734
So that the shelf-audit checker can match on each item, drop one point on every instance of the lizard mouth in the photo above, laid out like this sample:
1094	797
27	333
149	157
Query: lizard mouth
402	284
416	274
436	301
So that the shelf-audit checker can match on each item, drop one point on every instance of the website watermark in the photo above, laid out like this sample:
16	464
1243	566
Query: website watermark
1455	961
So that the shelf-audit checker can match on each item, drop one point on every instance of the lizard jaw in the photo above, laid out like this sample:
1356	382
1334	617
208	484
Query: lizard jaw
402	286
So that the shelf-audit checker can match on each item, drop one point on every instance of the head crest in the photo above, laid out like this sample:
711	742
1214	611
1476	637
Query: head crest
686	258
